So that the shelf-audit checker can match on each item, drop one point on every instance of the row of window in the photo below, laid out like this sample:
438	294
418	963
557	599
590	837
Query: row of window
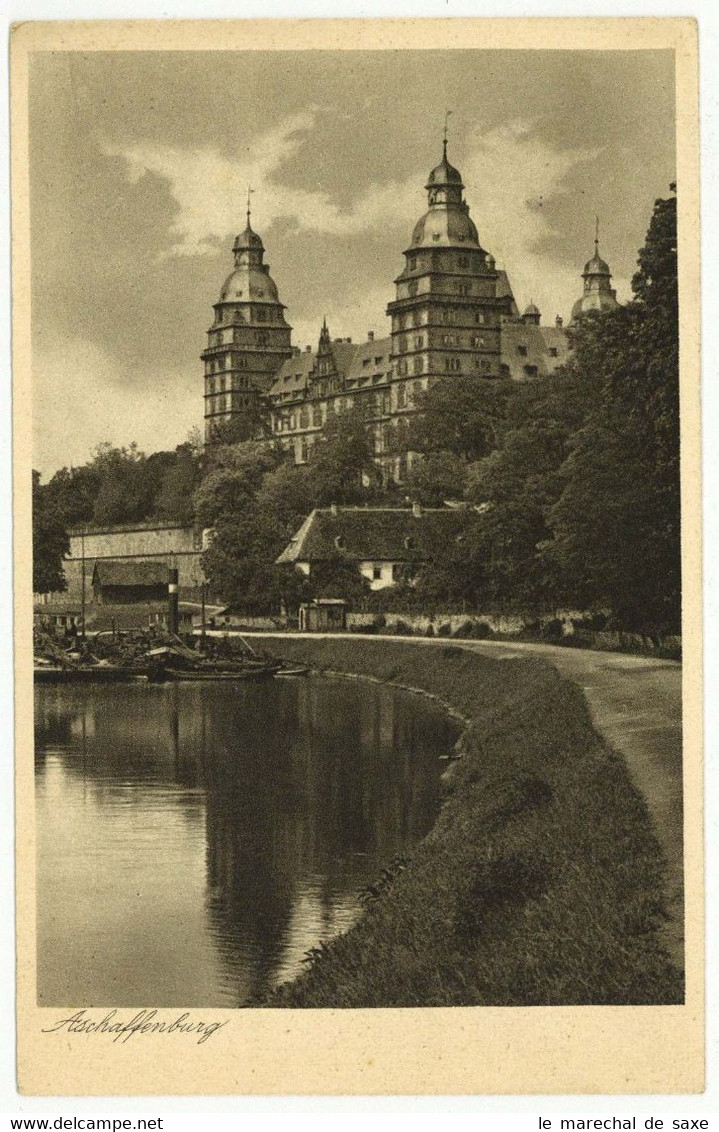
450	316
220	384
229	315
475	342
226	402
243	338
315	415
446	261
551	350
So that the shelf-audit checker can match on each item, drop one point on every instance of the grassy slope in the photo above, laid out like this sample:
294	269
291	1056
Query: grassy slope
541	882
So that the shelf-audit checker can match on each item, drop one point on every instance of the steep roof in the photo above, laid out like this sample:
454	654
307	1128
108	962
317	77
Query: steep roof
389	534
119	573
353	360
524	344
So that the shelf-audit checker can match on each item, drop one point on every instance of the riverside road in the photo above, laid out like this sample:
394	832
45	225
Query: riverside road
636	705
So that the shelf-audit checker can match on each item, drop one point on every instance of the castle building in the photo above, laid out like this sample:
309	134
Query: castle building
249	338
454	314
598	294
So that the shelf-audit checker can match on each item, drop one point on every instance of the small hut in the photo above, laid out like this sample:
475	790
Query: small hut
323	615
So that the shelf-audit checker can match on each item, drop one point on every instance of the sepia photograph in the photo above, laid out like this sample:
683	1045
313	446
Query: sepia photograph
360	496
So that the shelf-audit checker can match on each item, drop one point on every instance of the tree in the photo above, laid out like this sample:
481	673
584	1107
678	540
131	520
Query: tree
461	415
50	543
436	477
341	456
174	498
616	524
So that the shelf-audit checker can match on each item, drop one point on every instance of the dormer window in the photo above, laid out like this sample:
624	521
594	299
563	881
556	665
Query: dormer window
522	351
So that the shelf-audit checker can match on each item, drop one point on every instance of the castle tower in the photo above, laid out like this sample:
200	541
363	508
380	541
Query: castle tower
446	315
598	294
249	339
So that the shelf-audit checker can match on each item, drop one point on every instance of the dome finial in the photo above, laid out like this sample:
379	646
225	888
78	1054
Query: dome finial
249	190
596	235
444	139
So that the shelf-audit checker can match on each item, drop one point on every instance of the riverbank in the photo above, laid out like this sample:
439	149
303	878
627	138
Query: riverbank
542	882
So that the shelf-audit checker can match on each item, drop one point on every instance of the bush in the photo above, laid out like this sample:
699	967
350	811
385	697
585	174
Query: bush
402	629
482	631
552	631
445	629
429	631
464	630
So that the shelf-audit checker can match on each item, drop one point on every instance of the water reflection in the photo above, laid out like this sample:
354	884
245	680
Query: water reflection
194	840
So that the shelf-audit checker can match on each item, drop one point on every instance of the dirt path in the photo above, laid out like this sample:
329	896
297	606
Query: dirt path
636	706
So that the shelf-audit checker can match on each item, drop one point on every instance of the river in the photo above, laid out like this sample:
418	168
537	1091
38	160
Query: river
196	840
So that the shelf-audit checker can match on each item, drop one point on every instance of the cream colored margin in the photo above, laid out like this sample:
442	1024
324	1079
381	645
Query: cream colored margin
450	1051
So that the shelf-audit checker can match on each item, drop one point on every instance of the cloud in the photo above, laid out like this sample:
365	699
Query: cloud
98	399
511	173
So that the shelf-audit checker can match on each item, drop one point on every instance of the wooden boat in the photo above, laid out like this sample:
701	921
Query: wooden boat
232	675
298	670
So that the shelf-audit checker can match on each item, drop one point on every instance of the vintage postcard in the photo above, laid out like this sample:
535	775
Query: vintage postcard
358	547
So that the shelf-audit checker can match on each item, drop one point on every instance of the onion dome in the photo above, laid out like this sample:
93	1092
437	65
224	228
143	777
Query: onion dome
447	222
442	228
444	173
248	239
596	265
598	294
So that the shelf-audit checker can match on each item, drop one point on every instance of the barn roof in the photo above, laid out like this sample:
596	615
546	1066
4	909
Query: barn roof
119	573
390	534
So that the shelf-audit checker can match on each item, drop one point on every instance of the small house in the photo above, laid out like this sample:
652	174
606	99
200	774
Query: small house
324	615
386	544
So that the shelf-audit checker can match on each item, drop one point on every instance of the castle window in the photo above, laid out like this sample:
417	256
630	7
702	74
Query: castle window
463	261
504	370
261	314
464	288
304	418
453	365
262	339
376	573
401	396
378	361
479	316
435	236
419	342
531	371
553	351
413	263
416	318
418	365
316	416
304	450
522	351
403	344
412	289
478	342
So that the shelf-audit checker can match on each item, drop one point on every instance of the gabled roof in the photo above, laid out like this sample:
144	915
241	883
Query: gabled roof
380	534
352	360
537	341
114	573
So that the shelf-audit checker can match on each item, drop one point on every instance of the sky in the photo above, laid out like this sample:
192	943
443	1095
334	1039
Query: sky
140	164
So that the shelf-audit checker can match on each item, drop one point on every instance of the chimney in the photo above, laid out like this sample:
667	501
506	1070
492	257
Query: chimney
559	322
370	335
416	511
338	340
348	340
308	349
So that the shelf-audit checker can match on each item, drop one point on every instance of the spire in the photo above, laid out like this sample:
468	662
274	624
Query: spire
596	236
249	190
